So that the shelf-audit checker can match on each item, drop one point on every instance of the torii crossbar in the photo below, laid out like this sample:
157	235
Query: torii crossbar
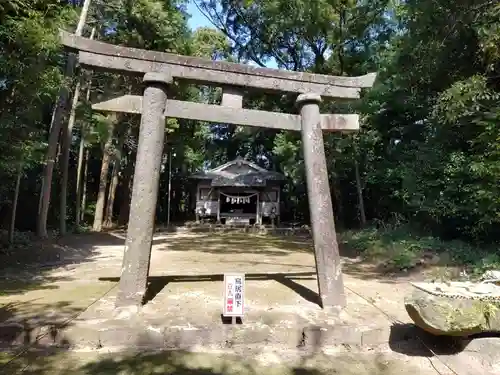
159	70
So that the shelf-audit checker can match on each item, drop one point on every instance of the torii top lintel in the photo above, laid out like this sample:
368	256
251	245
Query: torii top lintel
99	55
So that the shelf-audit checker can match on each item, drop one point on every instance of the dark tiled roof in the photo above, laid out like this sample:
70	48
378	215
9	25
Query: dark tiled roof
222	178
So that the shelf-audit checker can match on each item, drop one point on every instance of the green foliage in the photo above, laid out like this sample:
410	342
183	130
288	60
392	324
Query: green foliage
427	154
468	158
21	241
210	43
401	249
29	78
153	24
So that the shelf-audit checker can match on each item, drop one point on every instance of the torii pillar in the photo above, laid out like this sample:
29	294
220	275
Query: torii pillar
137	253
154	106
326	248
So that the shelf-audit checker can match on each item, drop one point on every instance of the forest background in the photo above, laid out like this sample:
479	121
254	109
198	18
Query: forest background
423	173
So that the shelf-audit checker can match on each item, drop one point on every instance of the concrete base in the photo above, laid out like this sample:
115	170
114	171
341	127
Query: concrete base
236	228
141	333
70	304
184	305
113	334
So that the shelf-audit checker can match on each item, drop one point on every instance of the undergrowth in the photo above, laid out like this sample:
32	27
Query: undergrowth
402	249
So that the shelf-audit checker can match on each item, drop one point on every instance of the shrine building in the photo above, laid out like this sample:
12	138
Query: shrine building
238	193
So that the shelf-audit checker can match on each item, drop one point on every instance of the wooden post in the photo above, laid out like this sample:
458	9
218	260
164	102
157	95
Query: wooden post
258	220
278	217
218	206
196	213
136	258
326	250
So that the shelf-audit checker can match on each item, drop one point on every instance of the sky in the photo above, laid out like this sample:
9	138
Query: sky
199	20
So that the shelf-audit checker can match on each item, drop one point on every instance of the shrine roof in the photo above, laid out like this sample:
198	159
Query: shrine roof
239	172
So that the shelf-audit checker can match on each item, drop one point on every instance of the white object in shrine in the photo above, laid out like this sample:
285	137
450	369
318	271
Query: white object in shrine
234	295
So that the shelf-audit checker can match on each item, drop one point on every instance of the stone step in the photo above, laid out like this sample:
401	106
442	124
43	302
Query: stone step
14	335
130	333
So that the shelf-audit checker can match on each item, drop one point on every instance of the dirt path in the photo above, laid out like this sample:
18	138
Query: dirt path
189	268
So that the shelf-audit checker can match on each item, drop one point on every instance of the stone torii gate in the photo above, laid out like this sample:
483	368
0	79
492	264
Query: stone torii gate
159	71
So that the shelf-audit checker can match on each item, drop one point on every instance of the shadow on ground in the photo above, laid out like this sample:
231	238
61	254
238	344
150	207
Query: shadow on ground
410	340
30	308
133	362
41	318
275	245
80	248
236	243
47	360
25	323
28	267
157	283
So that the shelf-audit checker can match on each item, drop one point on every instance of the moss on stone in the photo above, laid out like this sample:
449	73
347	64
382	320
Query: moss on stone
449	316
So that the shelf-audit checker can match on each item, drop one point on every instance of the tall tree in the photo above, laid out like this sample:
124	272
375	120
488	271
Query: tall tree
30	77
67	140
55	129
107	154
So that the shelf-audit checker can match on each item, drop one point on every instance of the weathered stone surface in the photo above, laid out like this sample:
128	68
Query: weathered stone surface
184	301
139	334
326	249
454	317
248	361
321	336
108	56
211	77
230	114
253	229
137	252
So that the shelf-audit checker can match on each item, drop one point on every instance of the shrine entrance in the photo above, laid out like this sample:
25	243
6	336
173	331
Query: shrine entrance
238	192
159	70
238	206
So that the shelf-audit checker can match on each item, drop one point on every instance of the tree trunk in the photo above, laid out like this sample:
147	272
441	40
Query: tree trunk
127	188
108	221
103	182
80	189
55	129
78	210
84	184
14	205
339	208
67	137
66	141
43	209
128	174
359	189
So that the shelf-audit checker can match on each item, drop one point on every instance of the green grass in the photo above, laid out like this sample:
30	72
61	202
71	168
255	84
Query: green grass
402	249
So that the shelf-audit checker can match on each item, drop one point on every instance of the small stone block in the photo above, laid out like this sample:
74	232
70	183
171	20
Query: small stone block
232	97
125	312
375	337
331	335
158	77
309	97
149	338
